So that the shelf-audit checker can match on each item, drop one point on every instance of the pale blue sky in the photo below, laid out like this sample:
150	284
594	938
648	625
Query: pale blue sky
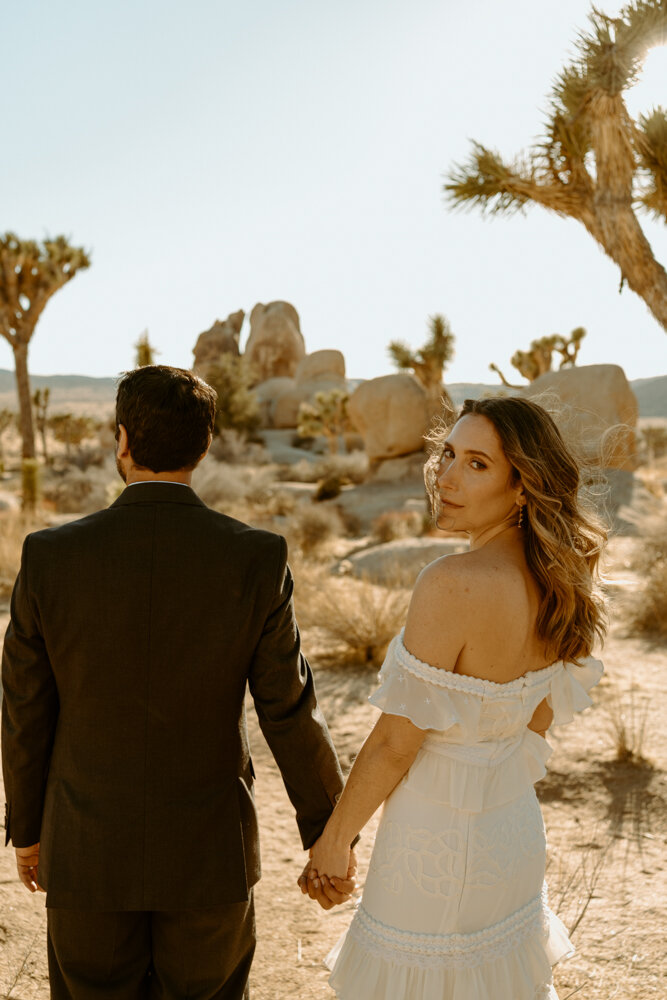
216	154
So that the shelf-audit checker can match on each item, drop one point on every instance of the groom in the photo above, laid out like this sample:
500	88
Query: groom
128	777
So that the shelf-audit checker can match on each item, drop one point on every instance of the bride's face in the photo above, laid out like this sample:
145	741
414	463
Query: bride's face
475	484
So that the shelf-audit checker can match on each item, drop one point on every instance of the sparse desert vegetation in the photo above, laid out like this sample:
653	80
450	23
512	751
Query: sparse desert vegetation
604	797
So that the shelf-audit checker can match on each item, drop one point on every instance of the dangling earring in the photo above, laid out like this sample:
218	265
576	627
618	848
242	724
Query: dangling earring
520	521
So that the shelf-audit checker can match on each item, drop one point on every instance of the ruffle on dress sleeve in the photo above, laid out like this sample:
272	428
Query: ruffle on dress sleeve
404	692
569	689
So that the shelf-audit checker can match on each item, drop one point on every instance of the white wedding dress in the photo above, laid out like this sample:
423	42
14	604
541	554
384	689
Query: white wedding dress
454	906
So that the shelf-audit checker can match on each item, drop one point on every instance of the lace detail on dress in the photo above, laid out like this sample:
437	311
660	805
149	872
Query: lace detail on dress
461	682
461	951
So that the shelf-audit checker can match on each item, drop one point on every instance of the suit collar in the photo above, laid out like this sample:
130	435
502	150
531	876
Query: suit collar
158	493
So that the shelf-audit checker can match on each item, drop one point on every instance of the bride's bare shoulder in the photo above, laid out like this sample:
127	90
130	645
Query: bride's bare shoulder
443	609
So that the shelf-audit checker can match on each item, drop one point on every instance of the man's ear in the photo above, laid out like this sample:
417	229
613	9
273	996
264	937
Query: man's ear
122	442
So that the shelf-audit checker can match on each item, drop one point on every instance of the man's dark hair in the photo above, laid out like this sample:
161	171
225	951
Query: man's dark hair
168	414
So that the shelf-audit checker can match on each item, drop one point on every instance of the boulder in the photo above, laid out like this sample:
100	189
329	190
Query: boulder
598	418
396	470
599	415
320	363
400	561
222	338
390	413
269	392
285	412
275	345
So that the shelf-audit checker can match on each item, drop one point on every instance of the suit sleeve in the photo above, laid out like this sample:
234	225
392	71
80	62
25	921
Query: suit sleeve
29	714
281	683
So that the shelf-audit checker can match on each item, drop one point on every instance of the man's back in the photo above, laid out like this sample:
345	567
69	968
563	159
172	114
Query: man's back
153	615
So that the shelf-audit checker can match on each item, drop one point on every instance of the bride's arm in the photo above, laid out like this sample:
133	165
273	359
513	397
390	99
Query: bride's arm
382	761
438	616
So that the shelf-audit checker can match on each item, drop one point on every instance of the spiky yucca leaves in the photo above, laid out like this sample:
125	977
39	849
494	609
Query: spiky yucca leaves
537	360
327	415
428	363
595	164
144	352
30	273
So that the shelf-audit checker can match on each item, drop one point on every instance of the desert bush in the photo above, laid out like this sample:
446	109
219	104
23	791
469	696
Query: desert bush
238	406
71	430
328	489
648	607
219	483
398	524
326	414
358	617
627	727
310	527
234	448
653	439
352	468
14	526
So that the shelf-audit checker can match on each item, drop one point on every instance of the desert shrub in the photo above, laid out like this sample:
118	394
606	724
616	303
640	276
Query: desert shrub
653	439
14	526
310	527
352	468
326	414
627	727
238	406
648	608
398	524
328	489
219	484
233	447
359	618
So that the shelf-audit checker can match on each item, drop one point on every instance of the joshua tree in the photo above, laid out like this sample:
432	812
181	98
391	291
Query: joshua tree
537	359
595	163
428	363
40	402
30	273
145	352
327	415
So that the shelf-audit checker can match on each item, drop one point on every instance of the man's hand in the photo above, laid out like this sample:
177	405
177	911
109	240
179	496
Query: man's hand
329	892
27	864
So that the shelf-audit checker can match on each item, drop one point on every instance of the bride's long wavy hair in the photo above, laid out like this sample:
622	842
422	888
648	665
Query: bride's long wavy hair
563	536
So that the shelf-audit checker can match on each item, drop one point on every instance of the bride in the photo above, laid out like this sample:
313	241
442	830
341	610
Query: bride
496	647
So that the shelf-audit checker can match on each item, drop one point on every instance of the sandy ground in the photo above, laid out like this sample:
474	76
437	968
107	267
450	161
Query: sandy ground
606	821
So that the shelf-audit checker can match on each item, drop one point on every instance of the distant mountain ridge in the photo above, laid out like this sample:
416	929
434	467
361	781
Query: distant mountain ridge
651	393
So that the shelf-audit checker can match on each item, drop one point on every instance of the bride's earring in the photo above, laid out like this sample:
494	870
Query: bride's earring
520	521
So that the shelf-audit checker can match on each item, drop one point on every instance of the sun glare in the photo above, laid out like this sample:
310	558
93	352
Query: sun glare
651	88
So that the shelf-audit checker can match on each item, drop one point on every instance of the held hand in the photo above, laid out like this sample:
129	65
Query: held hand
27	863
329	891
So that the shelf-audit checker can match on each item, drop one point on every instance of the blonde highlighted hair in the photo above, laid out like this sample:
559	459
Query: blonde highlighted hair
563	535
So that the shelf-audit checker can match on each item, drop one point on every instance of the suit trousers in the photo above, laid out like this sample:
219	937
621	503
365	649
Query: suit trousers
138	955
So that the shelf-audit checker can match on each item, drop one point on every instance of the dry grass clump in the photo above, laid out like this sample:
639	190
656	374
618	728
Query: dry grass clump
349	468
310	528
220	484
234	448
358	618
648	611
14	526
395	524
627	726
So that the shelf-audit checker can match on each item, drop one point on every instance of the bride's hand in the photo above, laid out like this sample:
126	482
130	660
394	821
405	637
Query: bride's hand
329	892
328	858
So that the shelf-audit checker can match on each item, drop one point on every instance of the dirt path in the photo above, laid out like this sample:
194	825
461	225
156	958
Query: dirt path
607	826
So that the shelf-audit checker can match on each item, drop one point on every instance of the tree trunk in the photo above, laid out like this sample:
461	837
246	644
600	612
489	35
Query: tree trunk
25	401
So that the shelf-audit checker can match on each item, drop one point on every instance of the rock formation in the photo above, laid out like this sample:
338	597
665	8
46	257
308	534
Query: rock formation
599	412
275	345
320	371
222	338
390	413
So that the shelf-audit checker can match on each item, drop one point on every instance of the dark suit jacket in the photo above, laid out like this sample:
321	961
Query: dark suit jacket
133	634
